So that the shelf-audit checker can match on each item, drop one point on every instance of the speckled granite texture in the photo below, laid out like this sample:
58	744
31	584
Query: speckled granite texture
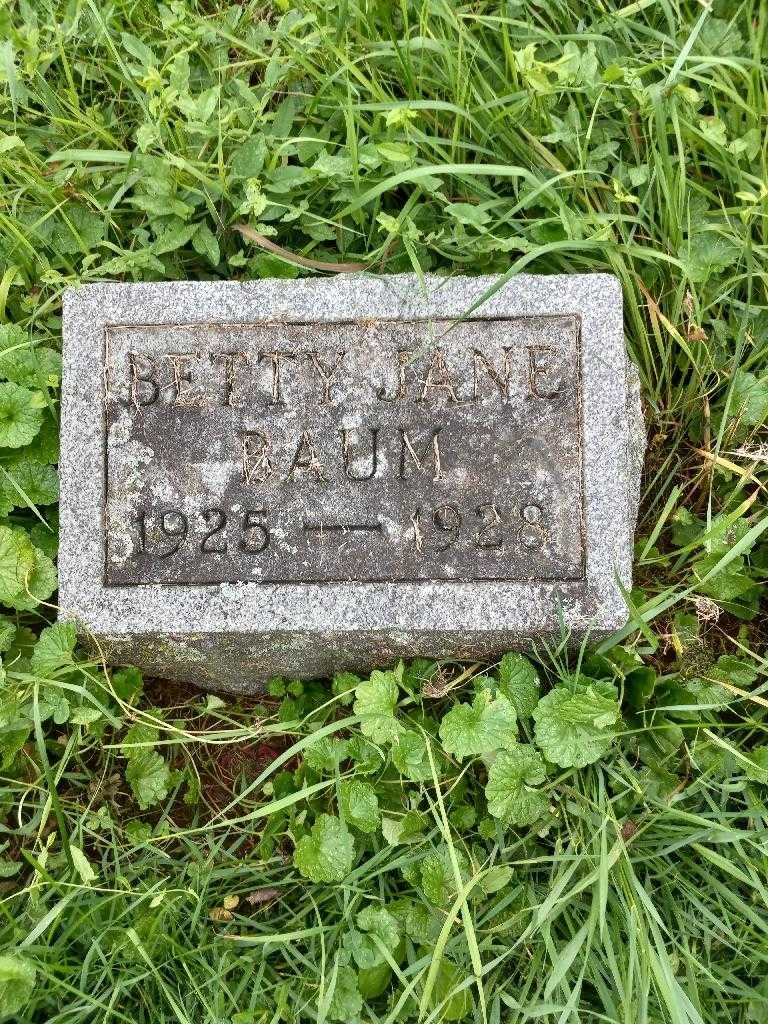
233	635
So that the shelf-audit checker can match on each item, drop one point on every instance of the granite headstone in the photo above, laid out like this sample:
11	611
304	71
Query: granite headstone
293	478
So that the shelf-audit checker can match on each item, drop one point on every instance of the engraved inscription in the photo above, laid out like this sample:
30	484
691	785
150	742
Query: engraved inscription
370	451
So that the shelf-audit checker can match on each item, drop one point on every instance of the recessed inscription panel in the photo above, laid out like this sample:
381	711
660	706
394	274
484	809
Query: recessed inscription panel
366	451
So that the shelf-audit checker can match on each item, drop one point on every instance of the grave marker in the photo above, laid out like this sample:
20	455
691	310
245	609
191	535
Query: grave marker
289	478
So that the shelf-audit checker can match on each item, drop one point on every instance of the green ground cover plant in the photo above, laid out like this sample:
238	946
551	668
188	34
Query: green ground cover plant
575	836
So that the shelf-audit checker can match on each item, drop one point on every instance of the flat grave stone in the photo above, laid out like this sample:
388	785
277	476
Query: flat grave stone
298	477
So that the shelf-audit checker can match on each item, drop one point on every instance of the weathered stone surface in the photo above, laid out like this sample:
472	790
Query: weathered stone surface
292	478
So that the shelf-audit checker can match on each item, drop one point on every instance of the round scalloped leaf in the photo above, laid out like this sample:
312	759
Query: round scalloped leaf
55	648
12	337
438	877
19	419
360	804
347	1001
410	757
17	561
484	726
375	701
17	980
327	853
576	722
19	654
44	448
149	777
510	789
39	585
46	536
31	367
31	483
519	682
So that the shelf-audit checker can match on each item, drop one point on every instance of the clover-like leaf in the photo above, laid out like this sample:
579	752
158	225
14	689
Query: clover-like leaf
375	701
54	648
28	482
22	362
484	726
376	927
409	756
705	254
519	682
367	757
38	585
409	828
138	739
149	777
127	682
326	754
20	418
422	924
575	721
17	982
17	561
346	1001
359	804
438	878
327	853
510	788
45	446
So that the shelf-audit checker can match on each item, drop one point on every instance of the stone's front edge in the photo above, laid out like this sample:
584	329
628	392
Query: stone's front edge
233	635
240	662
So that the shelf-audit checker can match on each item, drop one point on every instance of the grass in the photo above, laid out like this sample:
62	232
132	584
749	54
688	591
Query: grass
147	833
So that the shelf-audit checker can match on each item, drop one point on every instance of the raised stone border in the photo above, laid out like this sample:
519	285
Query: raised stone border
231	636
